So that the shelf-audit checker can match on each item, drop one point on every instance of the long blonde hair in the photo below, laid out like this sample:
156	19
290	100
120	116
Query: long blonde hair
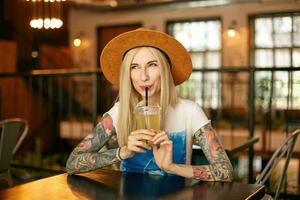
129	97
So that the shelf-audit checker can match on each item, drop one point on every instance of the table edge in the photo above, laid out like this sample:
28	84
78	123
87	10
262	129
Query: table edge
256	191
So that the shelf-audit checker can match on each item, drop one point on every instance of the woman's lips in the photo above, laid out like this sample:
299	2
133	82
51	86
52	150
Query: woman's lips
144	87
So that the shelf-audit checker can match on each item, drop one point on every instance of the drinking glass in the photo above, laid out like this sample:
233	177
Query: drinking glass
148	117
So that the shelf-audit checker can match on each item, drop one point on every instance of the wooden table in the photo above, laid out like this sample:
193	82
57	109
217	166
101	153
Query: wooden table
107	184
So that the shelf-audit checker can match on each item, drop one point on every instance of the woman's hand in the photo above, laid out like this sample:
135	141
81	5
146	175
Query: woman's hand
163	154
137	143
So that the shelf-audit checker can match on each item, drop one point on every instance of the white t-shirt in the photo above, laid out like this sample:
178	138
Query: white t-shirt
186	116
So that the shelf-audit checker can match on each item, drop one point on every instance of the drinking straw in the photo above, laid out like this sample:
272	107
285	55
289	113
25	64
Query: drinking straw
147	120
146	95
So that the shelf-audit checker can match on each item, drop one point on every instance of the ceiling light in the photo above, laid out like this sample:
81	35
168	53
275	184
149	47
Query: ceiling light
46	14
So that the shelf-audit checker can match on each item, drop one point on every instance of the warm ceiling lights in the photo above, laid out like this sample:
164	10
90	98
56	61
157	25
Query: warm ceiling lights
46	14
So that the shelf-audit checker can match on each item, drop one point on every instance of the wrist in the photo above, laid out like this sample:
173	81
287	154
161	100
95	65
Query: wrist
172	168
125	153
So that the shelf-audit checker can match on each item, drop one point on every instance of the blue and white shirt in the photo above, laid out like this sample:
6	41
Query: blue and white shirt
181	122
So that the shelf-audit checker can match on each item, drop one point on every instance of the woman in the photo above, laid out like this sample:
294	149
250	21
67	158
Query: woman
137	60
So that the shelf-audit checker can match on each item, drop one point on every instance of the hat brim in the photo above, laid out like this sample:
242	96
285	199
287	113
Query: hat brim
112	54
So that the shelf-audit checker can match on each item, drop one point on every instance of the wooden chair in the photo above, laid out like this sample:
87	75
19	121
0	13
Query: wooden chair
12	135
286	148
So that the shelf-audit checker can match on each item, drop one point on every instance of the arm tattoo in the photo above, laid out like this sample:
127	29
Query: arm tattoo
219	168
96	150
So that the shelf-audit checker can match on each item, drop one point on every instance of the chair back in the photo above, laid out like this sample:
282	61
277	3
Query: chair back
285	149
12	134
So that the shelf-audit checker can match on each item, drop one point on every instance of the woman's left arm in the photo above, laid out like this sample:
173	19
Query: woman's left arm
219	168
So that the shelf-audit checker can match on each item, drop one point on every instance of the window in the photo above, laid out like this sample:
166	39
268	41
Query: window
276	43
202	38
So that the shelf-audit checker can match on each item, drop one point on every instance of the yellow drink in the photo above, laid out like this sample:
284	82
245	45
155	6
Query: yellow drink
148	118
148	121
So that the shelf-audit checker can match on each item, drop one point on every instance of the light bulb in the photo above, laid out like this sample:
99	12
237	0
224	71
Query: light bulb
77	42
231	32
34	54
47	23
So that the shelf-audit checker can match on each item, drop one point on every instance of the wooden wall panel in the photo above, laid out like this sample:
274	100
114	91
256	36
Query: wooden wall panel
53	57
8	56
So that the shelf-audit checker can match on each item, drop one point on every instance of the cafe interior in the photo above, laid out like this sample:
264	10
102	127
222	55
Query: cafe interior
245	76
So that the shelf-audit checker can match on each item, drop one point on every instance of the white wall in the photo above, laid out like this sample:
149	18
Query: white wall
234	50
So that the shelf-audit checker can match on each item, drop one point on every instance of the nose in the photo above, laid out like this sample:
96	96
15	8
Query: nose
144	75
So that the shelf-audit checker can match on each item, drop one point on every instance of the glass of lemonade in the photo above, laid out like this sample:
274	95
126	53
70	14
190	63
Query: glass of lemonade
148	117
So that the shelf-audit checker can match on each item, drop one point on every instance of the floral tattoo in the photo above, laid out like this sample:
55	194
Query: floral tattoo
219	168
96	150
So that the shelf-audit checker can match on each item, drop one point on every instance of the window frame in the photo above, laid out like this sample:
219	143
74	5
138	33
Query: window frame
204	70
273	69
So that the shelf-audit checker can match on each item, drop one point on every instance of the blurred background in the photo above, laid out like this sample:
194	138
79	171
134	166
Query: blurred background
246	73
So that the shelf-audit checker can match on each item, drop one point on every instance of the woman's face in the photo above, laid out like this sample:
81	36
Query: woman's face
145	72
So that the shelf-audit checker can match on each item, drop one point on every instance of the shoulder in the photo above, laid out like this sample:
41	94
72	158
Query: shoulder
194	112
183	108
115	107
111	116
186	104
113	112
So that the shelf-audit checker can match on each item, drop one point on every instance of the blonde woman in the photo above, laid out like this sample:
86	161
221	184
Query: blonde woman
137	60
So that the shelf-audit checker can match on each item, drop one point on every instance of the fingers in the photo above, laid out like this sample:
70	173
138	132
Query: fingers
142	134
140	137
136	149
137	140
168	142
139	144
165	144
160	137
143	131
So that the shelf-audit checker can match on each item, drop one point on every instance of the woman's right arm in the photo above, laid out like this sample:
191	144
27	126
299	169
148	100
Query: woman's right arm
86	156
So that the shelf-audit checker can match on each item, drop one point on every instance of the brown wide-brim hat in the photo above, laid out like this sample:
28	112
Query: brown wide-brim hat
113	53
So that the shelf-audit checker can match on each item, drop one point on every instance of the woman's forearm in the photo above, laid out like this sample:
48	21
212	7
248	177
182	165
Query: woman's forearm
85	162
219	168
96	150
202	172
